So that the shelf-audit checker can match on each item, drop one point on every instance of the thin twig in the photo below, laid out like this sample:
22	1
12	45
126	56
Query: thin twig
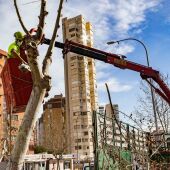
43	14
47	59
20	19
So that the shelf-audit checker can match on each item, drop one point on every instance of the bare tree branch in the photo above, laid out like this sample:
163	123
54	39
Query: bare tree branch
19	17
47	60
43	14
145	109
161	122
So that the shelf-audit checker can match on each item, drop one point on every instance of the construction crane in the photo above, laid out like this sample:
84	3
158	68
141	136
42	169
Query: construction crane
119	61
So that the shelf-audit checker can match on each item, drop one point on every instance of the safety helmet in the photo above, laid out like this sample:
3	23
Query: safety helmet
18	35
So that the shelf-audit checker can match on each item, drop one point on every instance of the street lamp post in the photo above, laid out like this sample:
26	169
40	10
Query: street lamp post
148	64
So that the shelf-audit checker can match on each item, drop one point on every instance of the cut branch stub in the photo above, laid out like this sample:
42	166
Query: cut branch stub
46	83
32	50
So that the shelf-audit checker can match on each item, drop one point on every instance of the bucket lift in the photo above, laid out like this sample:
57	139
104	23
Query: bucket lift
17	85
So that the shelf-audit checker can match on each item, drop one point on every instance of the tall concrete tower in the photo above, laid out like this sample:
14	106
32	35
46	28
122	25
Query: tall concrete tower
80	88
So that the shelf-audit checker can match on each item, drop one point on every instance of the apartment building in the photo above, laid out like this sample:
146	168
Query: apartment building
2	139
107	108
115	110
80	88
16	120
51	126
123	136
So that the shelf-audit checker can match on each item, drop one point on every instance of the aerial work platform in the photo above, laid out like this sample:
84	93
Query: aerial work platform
16	84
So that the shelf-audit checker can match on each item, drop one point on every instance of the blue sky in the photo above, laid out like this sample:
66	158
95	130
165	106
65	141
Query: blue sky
146	20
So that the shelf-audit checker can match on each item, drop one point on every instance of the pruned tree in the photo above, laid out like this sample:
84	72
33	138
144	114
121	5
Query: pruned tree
41	81
144	109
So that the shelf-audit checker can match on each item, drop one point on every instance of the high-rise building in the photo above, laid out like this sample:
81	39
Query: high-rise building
80	88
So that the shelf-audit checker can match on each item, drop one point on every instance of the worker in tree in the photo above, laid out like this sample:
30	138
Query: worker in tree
16	49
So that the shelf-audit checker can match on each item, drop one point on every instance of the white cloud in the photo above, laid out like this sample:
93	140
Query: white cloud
101	74
131	13
110	19
115	85
111	16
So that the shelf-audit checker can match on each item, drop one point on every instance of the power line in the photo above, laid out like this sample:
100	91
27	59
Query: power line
31	2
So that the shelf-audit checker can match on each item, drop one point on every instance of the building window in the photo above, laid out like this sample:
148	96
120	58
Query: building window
76	126
86	133
77	140
89	63
168	143
83	126
80	58
75	82
78	147
73	58
77	35
71	29
72	35
75	114
67	165
85	140
83	113
49	106
14	117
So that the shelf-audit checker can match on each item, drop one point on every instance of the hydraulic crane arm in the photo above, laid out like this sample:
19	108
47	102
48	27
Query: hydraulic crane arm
118	61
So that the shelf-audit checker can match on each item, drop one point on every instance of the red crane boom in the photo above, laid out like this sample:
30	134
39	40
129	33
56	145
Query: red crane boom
146	73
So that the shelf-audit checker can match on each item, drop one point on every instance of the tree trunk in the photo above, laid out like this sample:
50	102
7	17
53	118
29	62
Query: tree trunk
40	84
25	132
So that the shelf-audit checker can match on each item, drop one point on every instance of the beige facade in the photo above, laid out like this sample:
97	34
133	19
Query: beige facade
16	120
11	129
108	109
2	139
80	88
53	125
131	136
